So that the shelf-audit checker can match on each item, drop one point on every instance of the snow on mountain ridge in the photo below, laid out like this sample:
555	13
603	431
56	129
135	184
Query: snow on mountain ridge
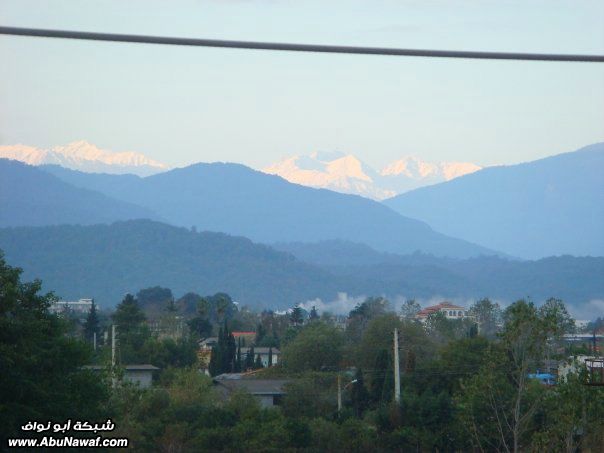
414	167
348	174
344	173
84	156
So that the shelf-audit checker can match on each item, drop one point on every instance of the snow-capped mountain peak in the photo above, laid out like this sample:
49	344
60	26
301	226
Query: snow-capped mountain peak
84	156
346	173
414	167
336	171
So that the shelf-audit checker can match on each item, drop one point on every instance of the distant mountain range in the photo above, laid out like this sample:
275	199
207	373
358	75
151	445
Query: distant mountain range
335	171
552	206
237	200
106	261
347	174
30	196
86	157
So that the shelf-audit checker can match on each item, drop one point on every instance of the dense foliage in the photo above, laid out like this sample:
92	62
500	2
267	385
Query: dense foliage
127	256
463	387
41	376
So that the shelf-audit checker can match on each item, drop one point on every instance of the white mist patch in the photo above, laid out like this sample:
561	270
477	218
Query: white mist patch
344	303
590	310
340	306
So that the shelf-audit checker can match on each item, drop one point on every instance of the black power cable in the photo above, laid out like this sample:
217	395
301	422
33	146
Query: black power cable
142	39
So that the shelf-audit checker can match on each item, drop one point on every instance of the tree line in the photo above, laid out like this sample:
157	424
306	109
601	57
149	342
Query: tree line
465	383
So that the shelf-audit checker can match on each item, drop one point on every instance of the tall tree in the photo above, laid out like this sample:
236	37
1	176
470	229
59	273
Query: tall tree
296	317
200	327
317	346
249	359
260	333
359	394
258	363
42	376
314	314
378	377
128	315
91	325
410	309
238	363
500	401
362	314
132	331
488	316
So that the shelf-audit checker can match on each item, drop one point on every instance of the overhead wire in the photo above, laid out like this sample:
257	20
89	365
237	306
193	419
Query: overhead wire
292	47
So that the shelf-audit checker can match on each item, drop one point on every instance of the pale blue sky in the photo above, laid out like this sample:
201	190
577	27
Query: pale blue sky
183	105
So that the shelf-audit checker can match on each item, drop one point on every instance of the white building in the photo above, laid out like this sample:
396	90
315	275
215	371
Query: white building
81	306
140	375
450	311
575	364
268	392
263	353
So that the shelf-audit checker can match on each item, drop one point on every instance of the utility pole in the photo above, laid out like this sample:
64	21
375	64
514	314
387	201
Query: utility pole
113	346
113	380
339	394
397	375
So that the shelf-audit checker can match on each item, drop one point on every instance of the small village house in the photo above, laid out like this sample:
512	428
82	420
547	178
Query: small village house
141	375
450	311
268	392
264	354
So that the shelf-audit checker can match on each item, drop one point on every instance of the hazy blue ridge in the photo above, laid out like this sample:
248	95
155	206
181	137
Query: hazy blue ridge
237	200
29	196
576	280
106	261
552	206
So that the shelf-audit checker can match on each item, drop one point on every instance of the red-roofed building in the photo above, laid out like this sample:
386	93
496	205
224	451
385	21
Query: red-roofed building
247	338
450	310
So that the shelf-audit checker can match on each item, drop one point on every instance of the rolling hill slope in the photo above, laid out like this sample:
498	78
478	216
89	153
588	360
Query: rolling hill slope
237	200
552	206
29	196
106	261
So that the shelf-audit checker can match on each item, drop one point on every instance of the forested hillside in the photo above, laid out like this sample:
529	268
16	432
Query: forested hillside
106	261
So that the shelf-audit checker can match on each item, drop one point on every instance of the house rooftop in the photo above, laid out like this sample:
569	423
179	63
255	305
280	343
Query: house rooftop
144	367
435	308
253	386
260	350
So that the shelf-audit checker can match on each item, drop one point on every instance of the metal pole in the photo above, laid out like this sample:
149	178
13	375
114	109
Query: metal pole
397	375
113	380
112	345
339	394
